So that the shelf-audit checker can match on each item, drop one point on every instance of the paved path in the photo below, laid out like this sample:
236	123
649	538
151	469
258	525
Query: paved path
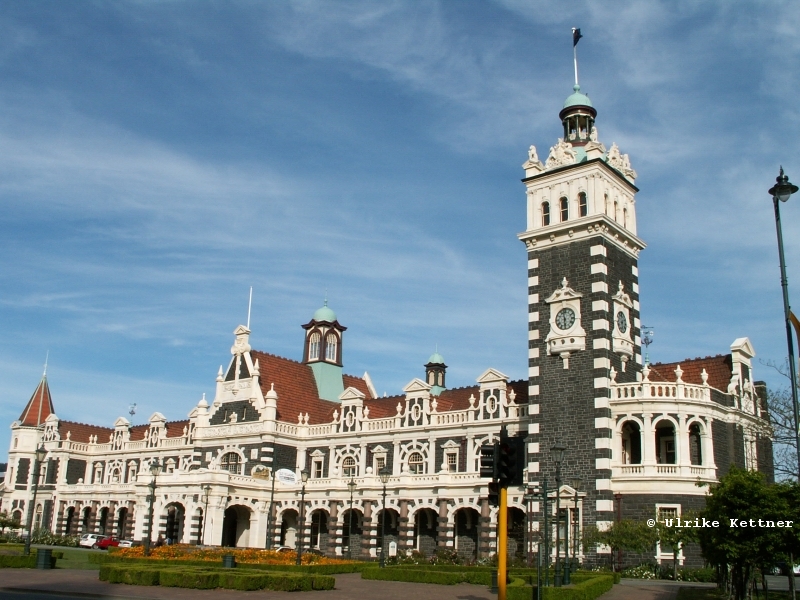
21	584
350	586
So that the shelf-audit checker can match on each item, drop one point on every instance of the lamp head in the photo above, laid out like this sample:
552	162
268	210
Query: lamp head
558	452
155	467
41	453
303	475
384	475
351	485
783	188
575	482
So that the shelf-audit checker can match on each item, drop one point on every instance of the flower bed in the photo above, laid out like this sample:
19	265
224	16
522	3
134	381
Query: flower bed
242	555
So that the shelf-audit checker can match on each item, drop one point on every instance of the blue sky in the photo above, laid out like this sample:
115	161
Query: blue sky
159	158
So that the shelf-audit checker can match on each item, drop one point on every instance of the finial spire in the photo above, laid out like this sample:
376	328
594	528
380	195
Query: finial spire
326	297
249	306
576	35
46	358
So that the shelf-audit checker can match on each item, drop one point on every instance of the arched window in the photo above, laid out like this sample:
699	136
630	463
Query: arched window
695	444
583	206
349	468
313	346
231	462
624	217
545	214
416	464
631	444
331	345
564	206
616	210
605	203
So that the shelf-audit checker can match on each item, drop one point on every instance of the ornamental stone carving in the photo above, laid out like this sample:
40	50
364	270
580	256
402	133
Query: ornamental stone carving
560	155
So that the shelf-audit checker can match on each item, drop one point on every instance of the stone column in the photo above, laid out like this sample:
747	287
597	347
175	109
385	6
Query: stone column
485	530
648	440
403	527
368	536
334	531
444	530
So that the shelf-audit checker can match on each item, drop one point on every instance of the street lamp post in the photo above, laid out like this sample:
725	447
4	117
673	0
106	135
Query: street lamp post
304	478
269	514
351	485
155	469
575	482
558	455
384	475
38	458
781	191
206	494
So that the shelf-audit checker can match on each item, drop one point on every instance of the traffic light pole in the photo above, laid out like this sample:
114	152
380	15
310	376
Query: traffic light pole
502	544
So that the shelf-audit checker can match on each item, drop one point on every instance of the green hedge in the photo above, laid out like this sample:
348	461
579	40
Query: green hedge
465	575
585	590
204	578
17	562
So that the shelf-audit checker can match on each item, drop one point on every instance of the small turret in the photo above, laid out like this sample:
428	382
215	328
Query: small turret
435	373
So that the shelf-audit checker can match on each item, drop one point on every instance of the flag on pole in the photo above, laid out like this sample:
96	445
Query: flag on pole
576	35
796	322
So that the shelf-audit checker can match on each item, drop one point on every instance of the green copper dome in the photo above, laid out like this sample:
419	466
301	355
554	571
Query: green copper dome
436	359
325	314
577	99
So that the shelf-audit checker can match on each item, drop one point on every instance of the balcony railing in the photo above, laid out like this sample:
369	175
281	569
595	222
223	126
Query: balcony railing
659	471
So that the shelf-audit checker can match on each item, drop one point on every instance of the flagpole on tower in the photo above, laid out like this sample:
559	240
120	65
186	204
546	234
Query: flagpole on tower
249	306
576	35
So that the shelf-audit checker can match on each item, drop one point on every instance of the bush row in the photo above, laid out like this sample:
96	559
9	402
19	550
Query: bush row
197	578
588	589
18	562
465	575
104	559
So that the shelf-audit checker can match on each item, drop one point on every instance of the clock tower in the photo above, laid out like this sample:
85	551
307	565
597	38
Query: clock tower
583	305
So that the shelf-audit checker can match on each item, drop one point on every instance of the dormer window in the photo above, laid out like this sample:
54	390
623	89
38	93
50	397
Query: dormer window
313	346
583	206
331	346
564	205
545	214
231	462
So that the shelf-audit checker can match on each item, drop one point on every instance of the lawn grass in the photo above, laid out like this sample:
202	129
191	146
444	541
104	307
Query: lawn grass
75	558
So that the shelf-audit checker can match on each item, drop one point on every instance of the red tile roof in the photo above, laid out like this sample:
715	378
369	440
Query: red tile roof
719	369
80	432
39	407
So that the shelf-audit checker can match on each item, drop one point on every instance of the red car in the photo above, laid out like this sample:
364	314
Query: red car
107	542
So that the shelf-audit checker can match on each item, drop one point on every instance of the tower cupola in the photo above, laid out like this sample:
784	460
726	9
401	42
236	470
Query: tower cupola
435	372
578	117
323	352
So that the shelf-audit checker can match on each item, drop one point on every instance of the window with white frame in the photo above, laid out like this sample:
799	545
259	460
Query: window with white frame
665	512
316	467
313	346
451	459
331	345
416	463
380	463
231	462
349	467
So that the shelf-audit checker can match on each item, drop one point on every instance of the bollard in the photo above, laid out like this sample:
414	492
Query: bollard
44	558
494	582
229	561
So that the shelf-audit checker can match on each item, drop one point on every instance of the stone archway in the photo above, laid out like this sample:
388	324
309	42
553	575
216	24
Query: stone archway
466	533
392	530
319	530
516	532
69	520
236	526
352	531
289	521
174	523
425	535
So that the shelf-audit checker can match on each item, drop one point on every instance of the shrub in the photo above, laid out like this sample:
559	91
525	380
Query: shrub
441	577
585	590
196	579
18	562
129	575
47	538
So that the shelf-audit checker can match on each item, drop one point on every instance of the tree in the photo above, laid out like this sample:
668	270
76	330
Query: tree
6	522
626	534
740	504
671	533
781	416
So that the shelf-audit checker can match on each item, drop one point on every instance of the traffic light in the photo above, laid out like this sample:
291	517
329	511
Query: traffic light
494	493
489	460
510	460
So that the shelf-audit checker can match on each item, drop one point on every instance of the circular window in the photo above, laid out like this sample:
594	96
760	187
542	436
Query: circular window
350	419
492	404
416	412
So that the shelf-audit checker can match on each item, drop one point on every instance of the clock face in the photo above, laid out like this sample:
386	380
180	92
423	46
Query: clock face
622	322
565	318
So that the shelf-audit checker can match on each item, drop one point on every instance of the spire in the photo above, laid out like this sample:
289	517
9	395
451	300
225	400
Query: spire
40	406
